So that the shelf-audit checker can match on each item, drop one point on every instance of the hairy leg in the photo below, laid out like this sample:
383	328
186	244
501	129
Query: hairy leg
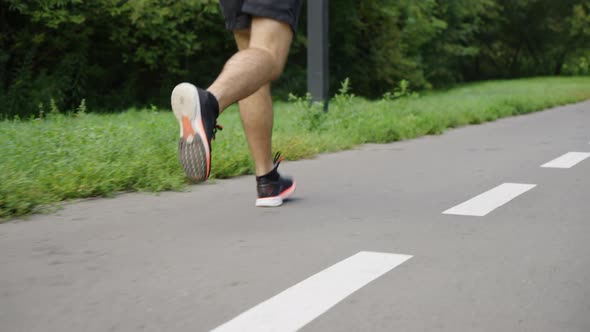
255	66
257	117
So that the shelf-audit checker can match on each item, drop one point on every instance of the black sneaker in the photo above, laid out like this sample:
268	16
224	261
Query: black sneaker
197	111
274	188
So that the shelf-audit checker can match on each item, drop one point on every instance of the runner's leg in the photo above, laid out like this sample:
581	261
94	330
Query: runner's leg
259	64
257	117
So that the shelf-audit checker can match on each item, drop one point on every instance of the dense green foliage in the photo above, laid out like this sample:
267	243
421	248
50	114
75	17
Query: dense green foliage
116	54
439	42
112	53
60	157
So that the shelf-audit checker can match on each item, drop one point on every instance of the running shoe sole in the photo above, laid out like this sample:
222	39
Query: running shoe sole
194	152
275	201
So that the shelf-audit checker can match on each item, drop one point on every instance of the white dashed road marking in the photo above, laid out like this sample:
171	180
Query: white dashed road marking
305	301
568	160
487	202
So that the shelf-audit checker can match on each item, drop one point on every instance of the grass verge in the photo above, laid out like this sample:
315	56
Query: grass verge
57	158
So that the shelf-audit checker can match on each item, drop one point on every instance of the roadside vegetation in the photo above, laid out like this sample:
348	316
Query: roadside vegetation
57	156
118	54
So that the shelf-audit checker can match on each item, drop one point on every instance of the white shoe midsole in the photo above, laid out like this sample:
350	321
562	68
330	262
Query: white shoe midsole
270	201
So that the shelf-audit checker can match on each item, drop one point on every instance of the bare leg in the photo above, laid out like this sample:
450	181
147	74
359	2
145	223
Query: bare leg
255	66
259	61
257	117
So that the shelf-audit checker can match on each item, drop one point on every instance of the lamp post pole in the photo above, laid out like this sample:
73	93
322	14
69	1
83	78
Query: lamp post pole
317	51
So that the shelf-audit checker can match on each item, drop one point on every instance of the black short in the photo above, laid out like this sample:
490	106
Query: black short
238	13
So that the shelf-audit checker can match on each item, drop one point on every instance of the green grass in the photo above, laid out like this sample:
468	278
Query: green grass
57	158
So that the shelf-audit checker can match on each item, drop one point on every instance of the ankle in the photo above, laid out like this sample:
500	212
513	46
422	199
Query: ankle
263	169
217	94
272	175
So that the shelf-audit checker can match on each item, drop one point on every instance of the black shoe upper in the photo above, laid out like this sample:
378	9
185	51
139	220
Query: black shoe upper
209	113
272	184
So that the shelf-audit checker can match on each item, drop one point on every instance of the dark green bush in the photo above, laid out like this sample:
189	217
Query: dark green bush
117	54
114	54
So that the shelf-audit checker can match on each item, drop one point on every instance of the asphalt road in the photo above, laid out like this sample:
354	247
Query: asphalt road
195	261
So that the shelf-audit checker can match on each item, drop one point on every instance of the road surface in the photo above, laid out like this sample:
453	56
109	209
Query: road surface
484	228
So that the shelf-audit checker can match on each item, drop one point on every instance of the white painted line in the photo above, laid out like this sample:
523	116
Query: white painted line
305	301
492	199
568	160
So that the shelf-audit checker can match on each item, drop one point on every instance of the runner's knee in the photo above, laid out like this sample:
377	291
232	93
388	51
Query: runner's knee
275	60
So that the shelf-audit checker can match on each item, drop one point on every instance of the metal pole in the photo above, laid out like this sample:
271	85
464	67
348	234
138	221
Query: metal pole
317	51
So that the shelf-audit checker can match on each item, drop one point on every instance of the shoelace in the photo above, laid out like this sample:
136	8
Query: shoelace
215	129
277	159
